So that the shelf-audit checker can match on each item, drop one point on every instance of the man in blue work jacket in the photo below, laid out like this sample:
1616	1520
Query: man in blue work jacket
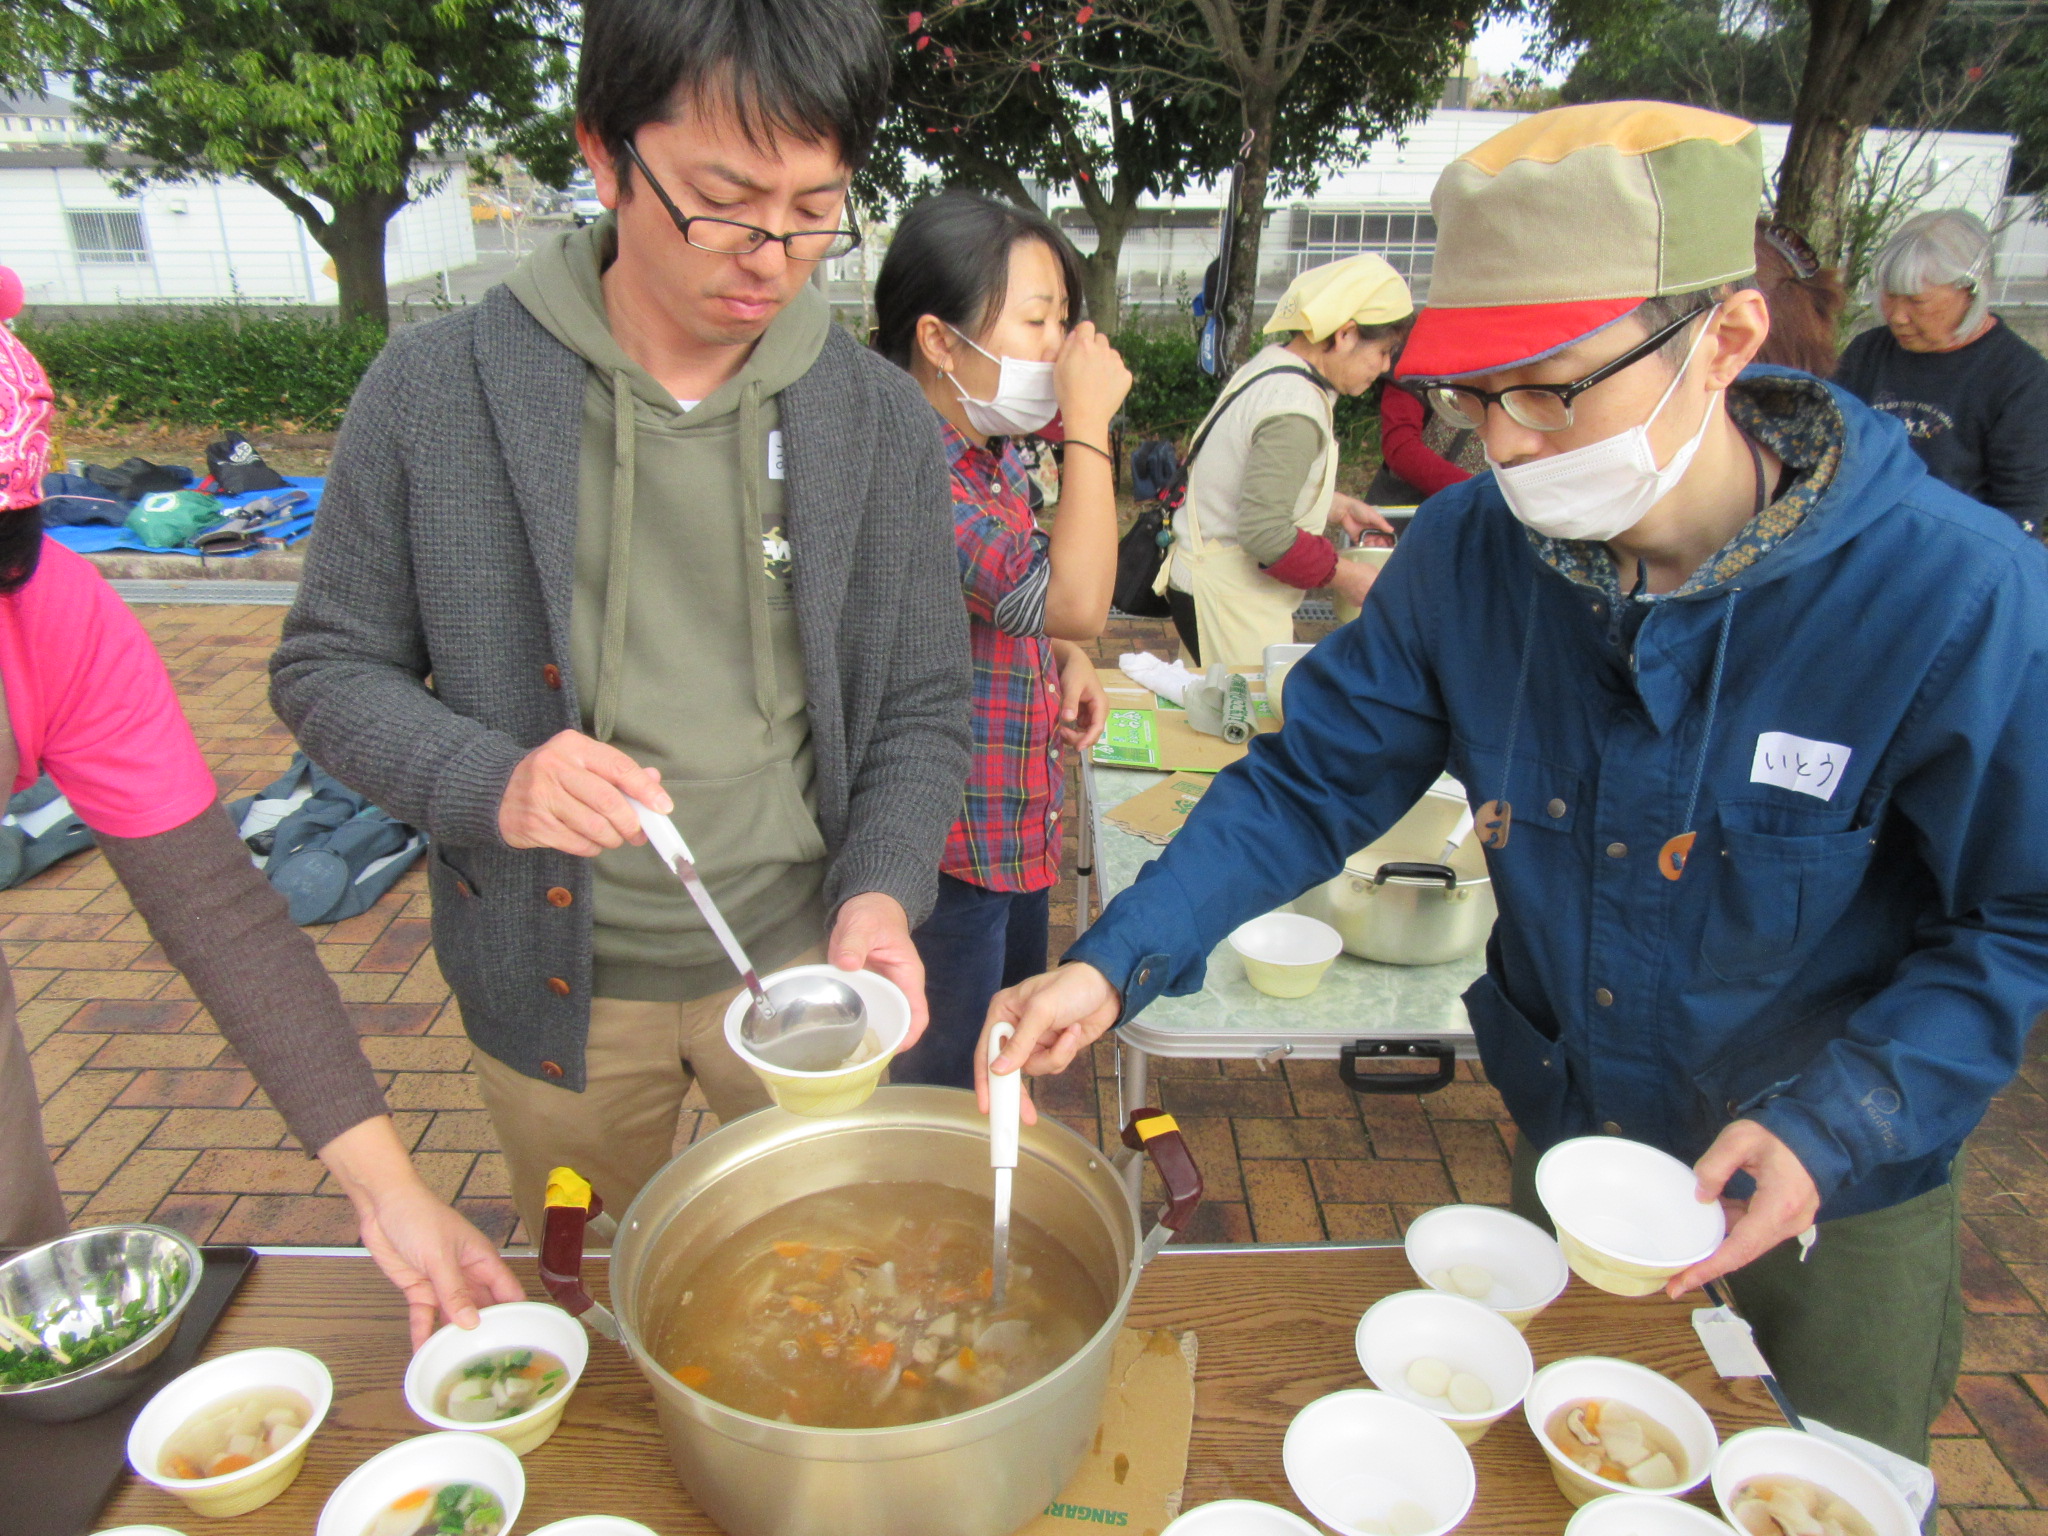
1755	716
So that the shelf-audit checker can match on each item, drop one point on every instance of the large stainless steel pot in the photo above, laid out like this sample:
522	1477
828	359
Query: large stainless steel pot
983	1473
1400	901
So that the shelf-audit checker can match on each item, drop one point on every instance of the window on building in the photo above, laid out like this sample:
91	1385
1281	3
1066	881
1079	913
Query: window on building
1406	237
109	235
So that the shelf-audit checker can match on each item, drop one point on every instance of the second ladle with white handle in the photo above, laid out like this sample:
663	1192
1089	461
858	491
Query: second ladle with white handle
1005	1114
803	1024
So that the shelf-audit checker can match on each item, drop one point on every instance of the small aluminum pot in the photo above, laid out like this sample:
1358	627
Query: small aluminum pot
981	1473
1400	901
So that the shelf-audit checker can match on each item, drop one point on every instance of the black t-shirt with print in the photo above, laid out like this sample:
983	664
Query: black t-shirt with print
1977	415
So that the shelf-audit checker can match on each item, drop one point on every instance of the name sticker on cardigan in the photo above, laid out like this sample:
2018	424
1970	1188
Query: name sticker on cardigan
775	454
1792	762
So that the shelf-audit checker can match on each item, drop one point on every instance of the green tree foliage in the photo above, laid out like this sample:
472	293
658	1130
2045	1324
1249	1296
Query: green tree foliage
334	107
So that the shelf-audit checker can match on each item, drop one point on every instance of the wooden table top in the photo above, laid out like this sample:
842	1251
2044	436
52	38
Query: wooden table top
1274	1328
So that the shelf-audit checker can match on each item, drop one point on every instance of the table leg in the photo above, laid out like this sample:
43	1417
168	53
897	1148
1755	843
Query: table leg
1084	849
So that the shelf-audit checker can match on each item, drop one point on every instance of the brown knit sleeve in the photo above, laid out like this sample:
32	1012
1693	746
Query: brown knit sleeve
220	923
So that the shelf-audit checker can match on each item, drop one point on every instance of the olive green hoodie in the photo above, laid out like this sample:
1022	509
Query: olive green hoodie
684	637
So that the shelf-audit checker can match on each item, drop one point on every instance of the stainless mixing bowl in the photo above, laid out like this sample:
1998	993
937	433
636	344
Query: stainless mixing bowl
79	1284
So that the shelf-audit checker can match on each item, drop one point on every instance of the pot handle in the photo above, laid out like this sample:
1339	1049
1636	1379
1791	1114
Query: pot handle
1154	1133
571	1202
1396	1050
1400	871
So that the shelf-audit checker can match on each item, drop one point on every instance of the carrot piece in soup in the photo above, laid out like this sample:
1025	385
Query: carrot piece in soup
791	1250
693	1375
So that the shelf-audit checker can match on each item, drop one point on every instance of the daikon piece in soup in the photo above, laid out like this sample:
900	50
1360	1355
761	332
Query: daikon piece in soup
441	1509
870	1305
1782	1505
500	1385
1610	1439
234	1433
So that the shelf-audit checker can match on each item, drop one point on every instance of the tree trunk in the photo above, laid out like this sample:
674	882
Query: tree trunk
1098	280
354	237
1247	216
1852	64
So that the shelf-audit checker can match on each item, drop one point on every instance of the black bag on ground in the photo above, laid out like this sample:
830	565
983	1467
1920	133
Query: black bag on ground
133	479
327	849
238	468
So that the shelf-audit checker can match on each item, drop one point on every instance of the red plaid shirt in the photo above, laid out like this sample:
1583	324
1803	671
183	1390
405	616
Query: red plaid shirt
1008	835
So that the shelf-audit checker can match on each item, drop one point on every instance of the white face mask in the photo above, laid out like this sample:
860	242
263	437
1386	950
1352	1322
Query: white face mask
1602	490
1024	399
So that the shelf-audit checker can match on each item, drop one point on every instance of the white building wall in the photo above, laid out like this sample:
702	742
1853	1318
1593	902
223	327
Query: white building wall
207	240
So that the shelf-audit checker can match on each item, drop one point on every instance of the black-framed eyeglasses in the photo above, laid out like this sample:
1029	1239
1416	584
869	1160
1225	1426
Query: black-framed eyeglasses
1539	407
729	237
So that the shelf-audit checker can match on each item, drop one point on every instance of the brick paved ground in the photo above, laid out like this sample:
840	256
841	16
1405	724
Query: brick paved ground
150	1115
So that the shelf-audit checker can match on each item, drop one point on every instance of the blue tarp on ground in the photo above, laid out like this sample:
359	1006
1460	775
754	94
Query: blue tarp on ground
97	538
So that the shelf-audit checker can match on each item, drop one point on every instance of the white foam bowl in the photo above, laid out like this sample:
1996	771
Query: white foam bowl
427	1462
508	1325
1352	1456
595	1525
842	1089
1284	953
225	1376
1643	1514
1400	1329
1234	1517
1793	1453
1646	1391
1528	1268
138	1530
1627	1215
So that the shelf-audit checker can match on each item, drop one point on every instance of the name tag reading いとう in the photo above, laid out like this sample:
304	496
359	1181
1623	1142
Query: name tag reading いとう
1792	762
775	455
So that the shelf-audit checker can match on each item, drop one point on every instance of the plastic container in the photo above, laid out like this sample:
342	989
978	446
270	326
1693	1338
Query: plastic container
1627	1215
1524	1262
1368	554
1658	1396
843	1088
1235	1517
427	1462
1286	954
509	1325
1370	1464
1789	1452
1397	1330
232	1493
1280	660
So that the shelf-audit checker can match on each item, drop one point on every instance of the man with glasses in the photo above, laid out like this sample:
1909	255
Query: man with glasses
1751	711
645	525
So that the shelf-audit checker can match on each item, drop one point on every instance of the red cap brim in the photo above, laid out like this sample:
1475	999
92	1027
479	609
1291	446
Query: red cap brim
1451	343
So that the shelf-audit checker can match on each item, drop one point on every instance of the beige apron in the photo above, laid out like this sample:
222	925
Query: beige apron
1239	609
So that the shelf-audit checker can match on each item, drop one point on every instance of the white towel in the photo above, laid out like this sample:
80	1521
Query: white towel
1168	679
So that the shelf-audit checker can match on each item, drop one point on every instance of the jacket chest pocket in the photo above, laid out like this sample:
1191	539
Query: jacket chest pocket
1541	794
1773	895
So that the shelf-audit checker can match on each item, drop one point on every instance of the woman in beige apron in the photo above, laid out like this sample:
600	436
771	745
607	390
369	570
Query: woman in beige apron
1249	540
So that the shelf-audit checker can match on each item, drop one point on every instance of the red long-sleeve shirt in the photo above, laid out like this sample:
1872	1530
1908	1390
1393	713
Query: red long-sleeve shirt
1402	418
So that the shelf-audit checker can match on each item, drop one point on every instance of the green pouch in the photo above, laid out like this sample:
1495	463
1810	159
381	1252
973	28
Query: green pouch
169	519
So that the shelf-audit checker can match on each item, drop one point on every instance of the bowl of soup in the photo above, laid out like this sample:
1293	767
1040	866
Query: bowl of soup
1628	1216
1448	1355
509	1377
1611	1426
230	1435
846	1086
1783	1482
445	1484
1487	1255
811	1300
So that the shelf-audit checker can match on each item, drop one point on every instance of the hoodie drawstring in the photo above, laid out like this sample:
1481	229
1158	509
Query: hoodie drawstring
611	654
1672	856
753	549
1495	819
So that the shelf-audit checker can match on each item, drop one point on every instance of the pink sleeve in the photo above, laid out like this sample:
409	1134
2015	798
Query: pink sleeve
93	707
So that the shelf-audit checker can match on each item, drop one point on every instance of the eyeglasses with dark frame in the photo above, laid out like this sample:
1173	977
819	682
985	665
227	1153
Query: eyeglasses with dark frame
1539	407
729	237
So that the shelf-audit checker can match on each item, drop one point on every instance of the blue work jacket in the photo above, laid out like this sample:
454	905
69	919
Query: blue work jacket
1858	942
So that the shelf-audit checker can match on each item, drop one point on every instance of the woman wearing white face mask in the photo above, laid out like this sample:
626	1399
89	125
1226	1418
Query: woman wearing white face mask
973	301
1262	474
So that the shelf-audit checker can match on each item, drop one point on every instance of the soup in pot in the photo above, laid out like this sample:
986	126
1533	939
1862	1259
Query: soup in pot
870	1305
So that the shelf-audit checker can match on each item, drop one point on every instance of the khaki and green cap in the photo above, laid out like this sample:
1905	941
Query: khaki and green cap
1568	220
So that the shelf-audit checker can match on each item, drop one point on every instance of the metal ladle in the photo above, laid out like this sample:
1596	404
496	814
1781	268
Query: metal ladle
802	1024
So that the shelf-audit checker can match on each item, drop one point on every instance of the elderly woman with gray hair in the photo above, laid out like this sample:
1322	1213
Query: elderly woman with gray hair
1971	394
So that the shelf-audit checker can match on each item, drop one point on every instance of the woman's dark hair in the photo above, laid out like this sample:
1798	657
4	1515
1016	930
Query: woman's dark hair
950	257
811	69
21	546
1804	297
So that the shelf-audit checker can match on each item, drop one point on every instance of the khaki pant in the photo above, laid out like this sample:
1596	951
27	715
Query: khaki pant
31	1210
1867	1334
638	1065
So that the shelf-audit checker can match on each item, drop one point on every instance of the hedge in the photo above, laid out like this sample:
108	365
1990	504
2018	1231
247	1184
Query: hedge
222	366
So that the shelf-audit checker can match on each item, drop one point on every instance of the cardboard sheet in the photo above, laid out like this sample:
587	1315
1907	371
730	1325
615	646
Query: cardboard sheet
1158	813
1131	1478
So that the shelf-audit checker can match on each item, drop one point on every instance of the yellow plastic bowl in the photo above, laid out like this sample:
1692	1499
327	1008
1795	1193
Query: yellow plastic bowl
1286	954
232	1493
843	1089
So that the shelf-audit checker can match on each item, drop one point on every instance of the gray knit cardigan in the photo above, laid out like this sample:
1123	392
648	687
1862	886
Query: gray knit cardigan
428	650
